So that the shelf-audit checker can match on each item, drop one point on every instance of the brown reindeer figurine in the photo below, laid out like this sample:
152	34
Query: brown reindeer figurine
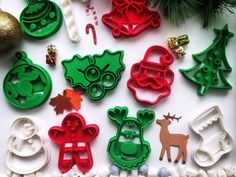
169	139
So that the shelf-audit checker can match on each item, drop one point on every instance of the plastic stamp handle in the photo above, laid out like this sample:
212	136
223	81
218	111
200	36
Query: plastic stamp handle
72	29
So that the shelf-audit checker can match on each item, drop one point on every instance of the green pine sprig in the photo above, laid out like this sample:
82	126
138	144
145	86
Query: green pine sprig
210	11
178	11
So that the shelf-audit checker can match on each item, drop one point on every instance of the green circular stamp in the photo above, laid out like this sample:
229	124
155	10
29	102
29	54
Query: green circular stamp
41	19
26	85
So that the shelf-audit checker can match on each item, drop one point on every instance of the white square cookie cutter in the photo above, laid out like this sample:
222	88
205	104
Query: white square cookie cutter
27	151
212	148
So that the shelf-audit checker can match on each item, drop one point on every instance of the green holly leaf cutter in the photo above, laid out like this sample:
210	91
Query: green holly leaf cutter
96	74
128	149
41	18
26	85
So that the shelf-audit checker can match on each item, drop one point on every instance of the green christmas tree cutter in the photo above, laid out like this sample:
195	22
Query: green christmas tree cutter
26	85
41	18
128	149
211	64
96	74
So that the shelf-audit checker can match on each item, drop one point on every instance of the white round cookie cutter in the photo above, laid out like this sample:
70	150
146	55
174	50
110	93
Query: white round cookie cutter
25	148
23	162
24	141
23	128
210	150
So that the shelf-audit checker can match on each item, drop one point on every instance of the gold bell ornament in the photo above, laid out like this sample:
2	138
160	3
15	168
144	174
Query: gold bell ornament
10	31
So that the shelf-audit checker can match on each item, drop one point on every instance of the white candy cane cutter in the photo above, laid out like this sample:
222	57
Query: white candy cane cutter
73	32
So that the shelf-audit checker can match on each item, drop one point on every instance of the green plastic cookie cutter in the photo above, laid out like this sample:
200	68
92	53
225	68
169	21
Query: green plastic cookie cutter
96	74
26	85
41	18
128	149
211	64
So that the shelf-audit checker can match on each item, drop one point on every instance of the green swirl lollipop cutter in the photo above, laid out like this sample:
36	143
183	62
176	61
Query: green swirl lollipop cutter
41	18
26	85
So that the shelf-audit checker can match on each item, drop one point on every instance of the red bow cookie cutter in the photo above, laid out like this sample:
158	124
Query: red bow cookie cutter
130	17
74	137
151	81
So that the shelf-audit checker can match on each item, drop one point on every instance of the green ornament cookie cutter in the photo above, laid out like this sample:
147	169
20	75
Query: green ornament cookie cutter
128	149
96	74
41	18
26	85
211	64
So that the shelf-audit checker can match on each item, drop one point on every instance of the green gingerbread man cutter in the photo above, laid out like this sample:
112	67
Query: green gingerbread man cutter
128	149
41	18
96	74
26	85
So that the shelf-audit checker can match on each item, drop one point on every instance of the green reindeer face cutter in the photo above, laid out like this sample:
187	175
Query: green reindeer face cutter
128	149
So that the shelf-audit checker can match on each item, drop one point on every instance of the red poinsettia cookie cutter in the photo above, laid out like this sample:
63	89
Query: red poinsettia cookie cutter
74	137
150	81
130	17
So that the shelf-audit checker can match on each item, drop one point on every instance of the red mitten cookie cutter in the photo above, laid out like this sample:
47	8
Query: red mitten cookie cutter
130	17
151	81
74	137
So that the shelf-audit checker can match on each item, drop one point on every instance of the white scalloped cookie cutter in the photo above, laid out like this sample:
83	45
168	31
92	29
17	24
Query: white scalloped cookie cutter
27	151
211	148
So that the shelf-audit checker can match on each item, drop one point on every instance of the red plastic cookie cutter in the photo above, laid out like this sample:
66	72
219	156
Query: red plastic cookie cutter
74	137
151	81
130	17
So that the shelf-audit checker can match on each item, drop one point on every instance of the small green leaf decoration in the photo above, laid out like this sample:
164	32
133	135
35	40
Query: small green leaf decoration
211	64
96	74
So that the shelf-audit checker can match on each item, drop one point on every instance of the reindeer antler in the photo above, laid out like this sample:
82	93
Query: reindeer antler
168	116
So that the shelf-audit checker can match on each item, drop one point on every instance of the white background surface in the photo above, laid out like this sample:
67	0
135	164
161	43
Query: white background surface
183	100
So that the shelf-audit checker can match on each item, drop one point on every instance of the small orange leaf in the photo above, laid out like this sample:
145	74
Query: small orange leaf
74	96
61	103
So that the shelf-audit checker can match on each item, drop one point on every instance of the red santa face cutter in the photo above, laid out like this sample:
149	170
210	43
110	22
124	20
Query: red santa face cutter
150	81
130	17
73	138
